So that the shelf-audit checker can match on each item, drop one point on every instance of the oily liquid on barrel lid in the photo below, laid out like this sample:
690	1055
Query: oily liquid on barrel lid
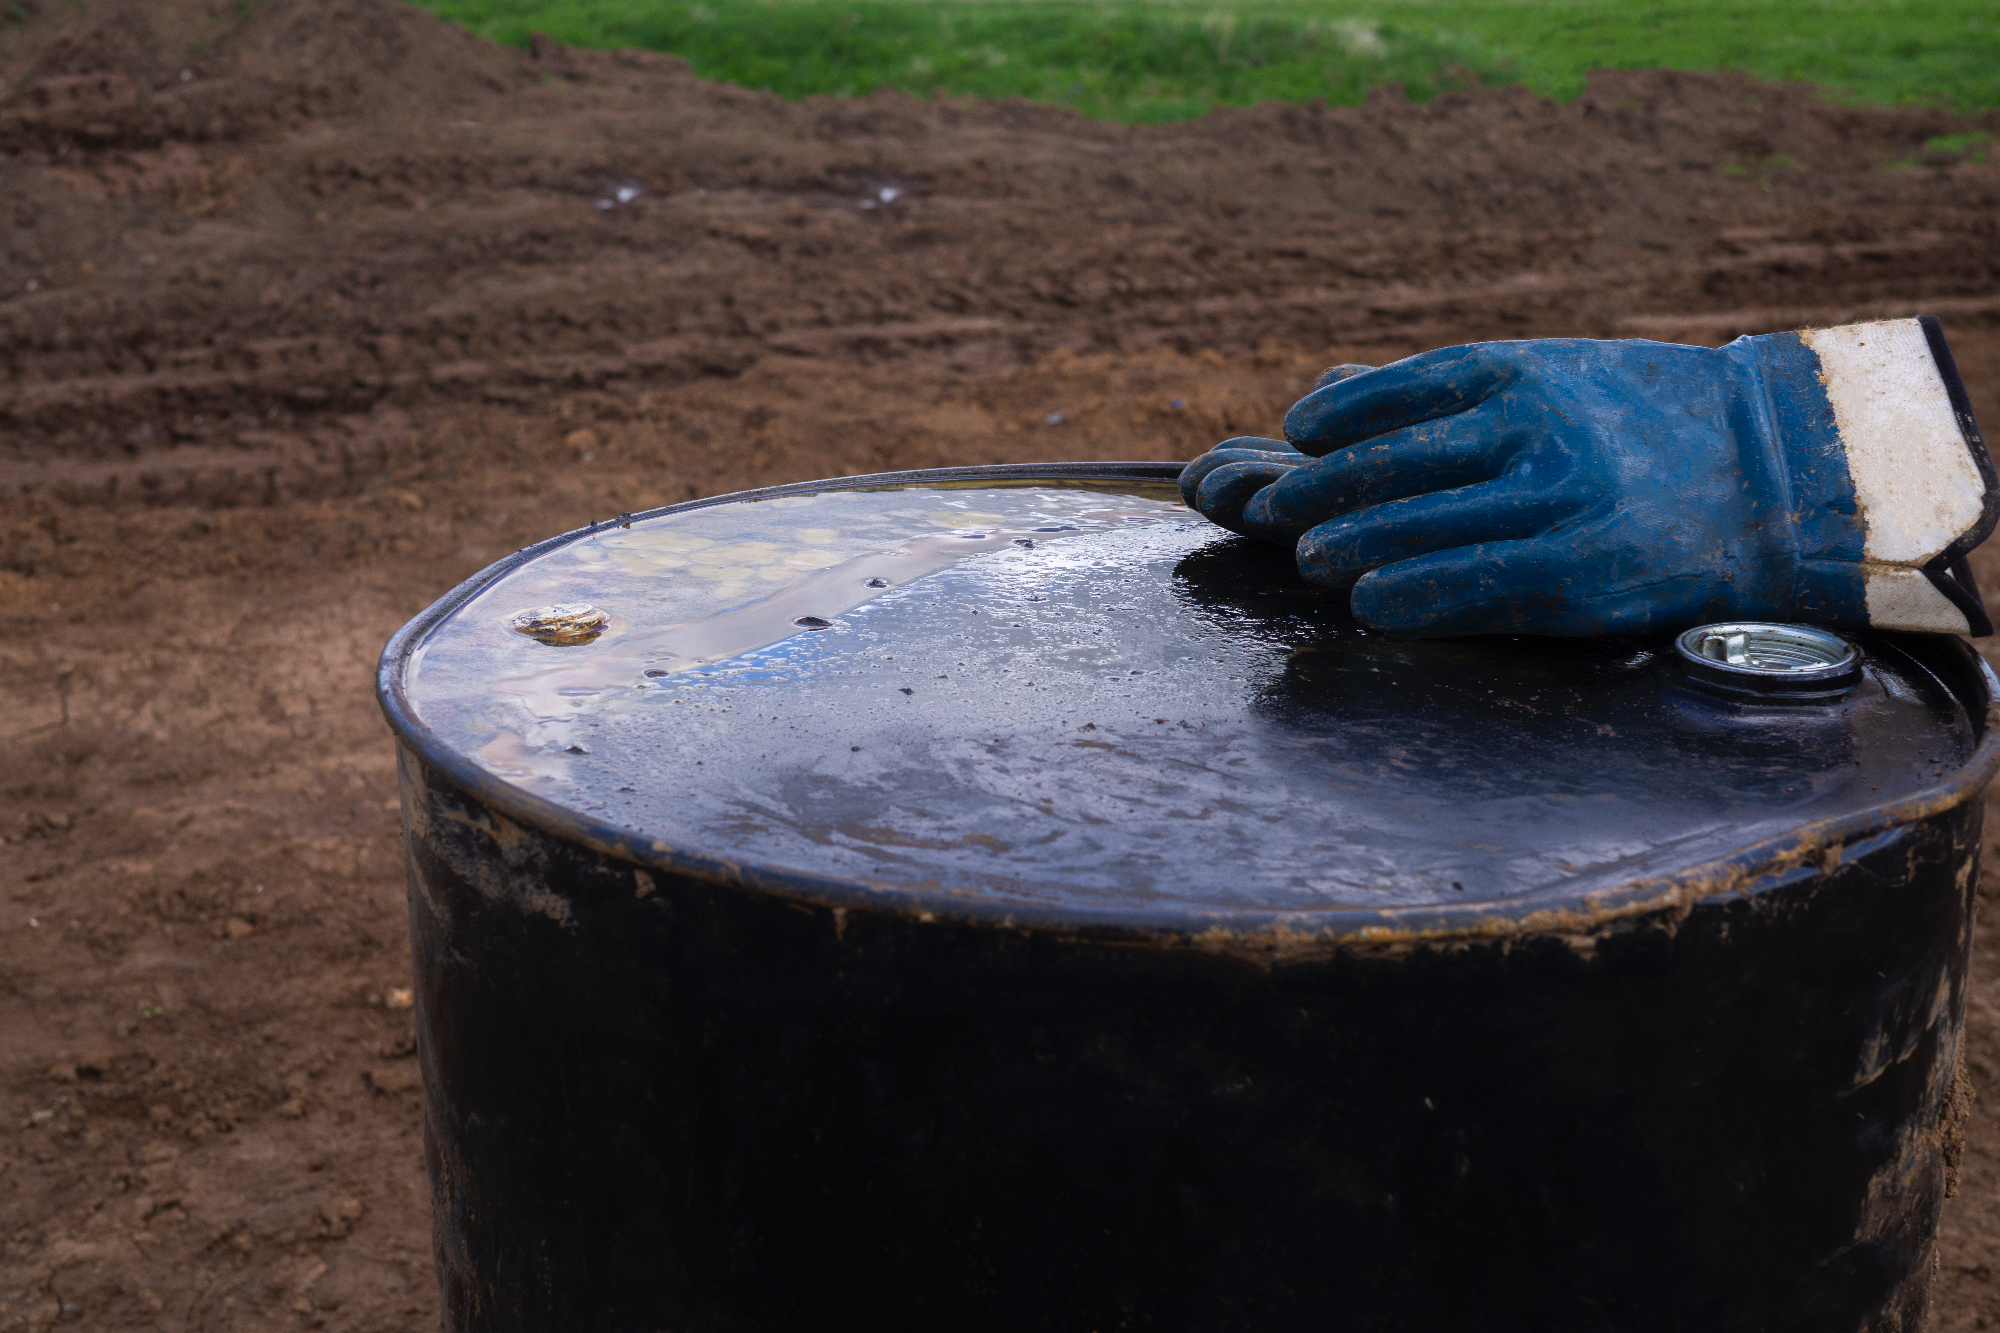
1074	696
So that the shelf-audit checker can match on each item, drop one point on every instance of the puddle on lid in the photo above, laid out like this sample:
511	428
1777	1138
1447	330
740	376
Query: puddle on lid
625	605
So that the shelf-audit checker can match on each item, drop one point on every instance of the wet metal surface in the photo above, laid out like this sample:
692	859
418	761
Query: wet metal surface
1084	697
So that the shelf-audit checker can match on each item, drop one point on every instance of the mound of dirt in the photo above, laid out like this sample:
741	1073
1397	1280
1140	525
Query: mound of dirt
306	315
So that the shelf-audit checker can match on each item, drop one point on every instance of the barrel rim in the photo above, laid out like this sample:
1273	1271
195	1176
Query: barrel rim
1573	906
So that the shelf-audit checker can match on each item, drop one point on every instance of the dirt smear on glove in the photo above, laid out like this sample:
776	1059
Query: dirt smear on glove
307	315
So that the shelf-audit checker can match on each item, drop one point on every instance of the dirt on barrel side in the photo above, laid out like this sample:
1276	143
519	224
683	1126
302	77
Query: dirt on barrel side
308	314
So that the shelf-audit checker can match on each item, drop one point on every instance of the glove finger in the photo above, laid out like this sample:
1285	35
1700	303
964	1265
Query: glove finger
1533	586
1227	489
1246	449
1403	393
1335	374
1261	443
1436	456
1341	551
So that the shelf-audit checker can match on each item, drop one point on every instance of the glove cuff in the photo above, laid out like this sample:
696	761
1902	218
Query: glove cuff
1891	484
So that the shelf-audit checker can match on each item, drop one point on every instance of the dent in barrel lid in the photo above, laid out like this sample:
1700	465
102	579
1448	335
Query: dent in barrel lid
1083	697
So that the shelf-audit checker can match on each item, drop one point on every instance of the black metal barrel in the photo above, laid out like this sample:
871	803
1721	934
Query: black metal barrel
996	899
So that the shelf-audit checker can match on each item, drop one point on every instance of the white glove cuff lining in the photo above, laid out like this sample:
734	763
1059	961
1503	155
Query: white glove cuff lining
1906	599
1914	477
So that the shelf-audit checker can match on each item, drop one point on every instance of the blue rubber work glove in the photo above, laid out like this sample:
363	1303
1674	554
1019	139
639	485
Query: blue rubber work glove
1566	486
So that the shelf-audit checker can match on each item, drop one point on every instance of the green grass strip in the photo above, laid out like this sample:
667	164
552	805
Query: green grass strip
1150	62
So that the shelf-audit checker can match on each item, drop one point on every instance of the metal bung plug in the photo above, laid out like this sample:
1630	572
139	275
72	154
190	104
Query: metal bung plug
1762	658
561	625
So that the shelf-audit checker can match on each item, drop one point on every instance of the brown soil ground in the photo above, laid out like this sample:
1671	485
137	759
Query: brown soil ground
306	316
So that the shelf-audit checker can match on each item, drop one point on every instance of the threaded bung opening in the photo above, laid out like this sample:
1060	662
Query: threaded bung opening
1760	655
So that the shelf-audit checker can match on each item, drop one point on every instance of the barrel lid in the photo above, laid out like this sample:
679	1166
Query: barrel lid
1056	694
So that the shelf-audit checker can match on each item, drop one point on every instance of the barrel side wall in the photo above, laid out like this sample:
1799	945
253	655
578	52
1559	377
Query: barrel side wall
659	1102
